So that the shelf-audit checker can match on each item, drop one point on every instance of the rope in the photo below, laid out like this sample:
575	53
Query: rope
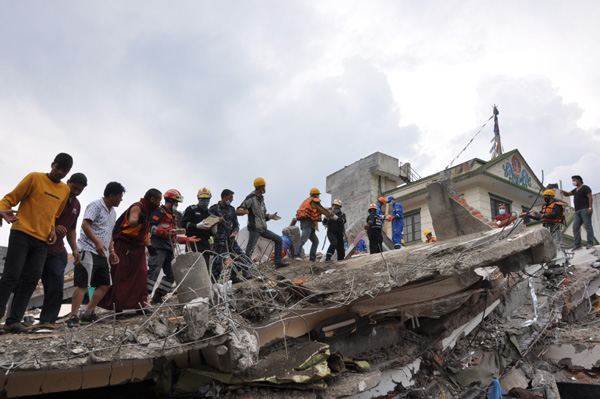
470	141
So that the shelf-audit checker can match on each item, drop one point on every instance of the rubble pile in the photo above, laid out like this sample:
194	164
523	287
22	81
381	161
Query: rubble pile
443	320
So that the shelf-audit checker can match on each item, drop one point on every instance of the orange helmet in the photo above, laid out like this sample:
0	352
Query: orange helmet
204	193
382	200
372	206
174	194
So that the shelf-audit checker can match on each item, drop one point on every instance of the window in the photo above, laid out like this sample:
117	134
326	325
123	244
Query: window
412	227
495	204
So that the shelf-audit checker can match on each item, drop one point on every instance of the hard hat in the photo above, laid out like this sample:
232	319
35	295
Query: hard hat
259	181
204	193
427	232
337	202
314	190
549	192
390	198
372	206
174	194
382	200
402	241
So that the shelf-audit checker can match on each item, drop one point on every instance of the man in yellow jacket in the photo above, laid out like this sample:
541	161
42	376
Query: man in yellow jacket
41	198
309	215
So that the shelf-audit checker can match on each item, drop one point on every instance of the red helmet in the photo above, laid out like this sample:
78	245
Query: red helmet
204	193
372	206
174	194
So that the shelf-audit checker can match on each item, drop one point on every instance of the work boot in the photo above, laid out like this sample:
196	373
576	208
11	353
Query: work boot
281	264
328	258
156	301
73	321
89	319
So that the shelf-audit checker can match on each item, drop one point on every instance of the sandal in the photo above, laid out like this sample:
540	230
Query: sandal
16	328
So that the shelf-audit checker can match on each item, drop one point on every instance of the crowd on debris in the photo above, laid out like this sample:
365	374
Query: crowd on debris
121	258
552	213
118	260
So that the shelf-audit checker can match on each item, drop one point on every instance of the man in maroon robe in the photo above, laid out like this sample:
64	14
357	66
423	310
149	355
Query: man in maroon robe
131	236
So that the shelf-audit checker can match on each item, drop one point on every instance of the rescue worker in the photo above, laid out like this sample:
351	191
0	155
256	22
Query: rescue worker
429	236
397	219
361	246
309	215
254	207
225	242
551	215
164	230
380	203
194	224
373	227
335	232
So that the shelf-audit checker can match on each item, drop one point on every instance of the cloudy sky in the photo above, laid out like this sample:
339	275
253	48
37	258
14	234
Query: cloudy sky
190	94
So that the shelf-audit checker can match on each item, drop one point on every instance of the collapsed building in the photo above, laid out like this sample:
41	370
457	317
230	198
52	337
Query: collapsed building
435	320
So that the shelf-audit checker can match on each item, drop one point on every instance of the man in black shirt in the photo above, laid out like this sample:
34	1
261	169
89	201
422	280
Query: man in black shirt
583	211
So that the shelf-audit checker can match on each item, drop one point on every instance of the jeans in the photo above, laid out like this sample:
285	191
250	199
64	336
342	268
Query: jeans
269	235
308	232
53	279
160	260
583	217
25	258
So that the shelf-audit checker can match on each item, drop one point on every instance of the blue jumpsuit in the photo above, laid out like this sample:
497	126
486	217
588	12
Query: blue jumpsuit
397	225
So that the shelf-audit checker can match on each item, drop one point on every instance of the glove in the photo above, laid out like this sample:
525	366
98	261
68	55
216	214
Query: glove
367	227
202	226
334	216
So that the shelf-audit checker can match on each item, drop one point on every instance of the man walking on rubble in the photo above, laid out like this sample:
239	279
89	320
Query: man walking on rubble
583	201
53	274
195	225
225	242
552	214
309	215
254	207
335	232
96	247
164	235
41	198
131	236
374	232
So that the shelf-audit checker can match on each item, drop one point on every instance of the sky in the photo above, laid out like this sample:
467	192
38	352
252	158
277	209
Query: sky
193	94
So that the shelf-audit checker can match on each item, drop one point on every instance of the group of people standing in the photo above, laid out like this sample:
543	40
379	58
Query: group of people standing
552	213
110	254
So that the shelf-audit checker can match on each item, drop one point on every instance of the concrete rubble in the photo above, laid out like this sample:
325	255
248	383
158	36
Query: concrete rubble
436	320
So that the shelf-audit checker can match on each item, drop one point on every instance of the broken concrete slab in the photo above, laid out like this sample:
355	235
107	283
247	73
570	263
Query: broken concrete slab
450	219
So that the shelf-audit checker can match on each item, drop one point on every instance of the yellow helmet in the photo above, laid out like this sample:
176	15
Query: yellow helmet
427	232
549	192
314	191
204	193
402	241
259	181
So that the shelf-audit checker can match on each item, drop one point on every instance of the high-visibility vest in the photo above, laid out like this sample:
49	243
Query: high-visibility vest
548	209
306	211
